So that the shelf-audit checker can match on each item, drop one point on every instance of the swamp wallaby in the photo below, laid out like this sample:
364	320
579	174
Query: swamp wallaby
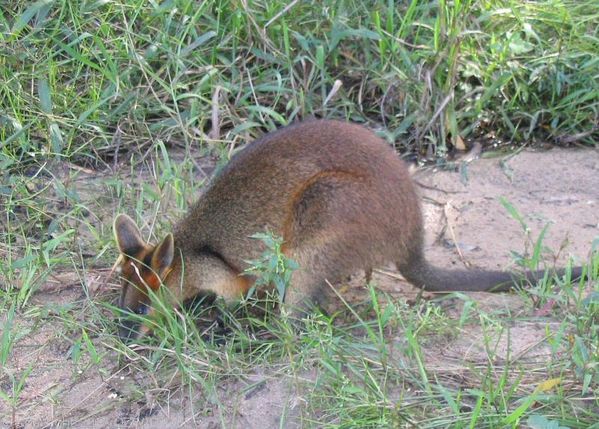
341	199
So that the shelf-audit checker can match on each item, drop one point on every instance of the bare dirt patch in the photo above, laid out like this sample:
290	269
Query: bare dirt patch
557	187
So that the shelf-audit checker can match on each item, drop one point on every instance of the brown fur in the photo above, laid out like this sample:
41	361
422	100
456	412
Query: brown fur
340	198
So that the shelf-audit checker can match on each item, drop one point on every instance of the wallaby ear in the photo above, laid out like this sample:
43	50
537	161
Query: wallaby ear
162	256
127	236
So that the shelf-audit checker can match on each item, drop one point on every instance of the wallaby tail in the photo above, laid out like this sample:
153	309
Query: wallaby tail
434	279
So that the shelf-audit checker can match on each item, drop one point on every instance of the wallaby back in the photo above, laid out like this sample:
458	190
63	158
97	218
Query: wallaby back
340	198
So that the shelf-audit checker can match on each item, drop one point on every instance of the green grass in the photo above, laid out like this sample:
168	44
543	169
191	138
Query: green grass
103	85
88	80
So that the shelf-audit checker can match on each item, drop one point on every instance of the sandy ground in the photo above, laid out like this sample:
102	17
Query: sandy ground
556	187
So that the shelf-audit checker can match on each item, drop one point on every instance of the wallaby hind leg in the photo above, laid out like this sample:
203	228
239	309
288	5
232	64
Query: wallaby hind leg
304	294
330	234
308	287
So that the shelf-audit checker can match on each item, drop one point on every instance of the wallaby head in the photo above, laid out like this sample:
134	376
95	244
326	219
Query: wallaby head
170	265
142	267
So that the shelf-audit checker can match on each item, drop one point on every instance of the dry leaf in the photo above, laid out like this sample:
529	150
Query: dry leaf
547	385
459	143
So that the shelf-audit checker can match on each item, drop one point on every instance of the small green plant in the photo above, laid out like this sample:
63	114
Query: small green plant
526	260
17	383
273	267
583	321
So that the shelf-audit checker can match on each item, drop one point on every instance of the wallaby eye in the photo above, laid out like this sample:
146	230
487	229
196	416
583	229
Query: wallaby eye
142	310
